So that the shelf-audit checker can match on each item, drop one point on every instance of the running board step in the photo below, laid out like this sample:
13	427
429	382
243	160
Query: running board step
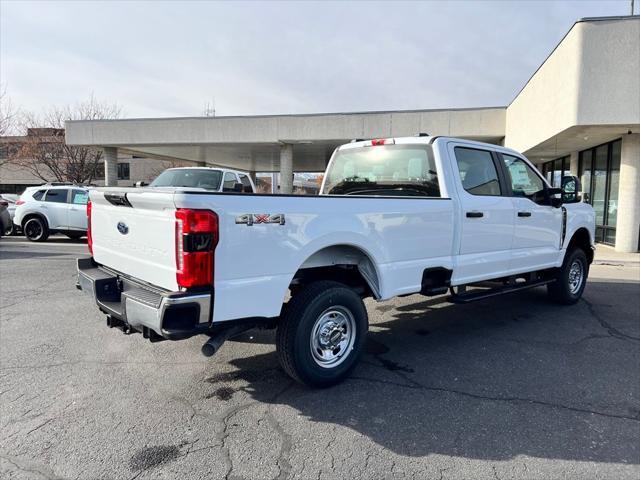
494	292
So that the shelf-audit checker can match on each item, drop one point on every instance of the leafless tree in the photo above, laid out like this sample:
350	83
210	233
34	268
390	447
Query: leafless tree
7	113
45	152
7	118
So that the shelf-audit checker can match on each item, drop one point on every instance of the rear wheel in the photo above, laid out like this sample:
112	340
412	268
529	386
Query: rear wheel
571	278
322	333
35	229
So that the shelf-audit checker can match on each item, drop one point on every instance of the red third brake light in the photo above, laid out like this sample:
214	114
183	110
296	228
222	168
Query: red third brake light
196	240
382	141
89	239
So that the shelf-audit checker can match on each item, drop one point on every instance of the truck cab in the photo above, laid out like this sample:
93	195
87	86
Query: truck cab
207	178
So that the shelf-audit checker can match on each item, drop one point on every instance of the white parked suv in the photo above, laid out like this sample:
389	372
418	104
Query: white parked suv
396	216
48	209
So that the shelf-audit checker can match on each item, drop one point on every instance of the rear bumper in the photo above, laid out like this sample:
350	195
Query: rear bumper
170	315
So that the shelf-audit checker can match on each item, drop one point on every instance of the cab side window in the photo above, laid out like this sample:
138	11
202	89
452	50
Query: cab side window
230	181
477	171
525	182
58	195
246	184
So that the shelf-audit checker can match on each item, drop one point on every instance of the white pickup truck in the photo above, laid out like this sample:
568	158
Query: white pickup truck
395	216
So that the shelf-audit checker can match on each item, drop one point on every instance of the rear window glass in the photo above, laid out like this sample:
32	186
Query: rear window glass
38	195
396	170
186	177
56	196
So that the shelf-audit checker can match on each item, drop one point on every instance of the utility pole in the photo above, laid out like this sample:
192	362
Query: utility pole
632	1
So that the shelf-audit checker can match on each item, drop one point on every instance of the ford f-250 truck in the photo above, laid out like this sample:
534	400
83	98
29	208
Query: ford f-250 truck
395	216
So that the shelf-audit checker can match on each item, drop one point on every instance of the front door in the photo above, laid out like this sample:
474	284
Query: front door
538	225
486	215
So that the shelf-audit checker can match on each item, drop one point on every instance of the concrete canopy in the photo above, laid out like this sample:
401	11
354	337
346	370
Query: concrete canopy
253	142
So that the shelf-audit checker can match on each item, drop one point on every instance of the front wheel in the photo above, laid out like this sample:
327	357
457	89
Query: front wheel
322	333
571	278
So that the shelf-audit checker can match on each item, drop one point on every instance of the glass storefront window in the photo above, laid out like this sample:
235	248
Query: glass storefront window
614	184
599	171
599	183
554	170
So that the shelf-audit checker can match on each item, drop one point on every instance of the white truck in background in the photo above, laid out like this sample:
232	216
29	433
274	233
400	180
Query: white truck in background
395	216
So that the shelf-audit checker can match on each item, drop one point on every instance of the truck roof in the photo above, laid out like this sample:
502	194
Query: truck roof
209	168
425	140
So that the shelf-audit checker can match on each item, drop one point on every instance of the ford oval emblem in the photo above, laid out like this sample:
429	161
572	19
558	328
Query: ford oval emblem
122	228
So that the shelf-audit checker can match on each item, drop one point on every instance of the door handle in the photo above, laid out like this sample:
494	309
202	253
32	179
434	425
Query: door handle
475	214
524	214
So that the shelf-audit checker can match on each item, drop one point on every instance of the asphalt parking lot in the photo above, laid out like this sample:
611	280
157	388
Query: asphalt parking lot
508	388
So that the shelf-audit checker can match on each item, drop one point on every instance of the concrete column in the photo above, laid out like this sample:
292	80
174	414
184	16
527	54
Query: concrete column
574	158
110	167
286	168
628	221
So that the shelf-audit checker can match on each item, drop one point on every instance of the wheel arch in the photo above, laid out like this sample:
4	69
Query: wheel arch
344	262
30	215
581	239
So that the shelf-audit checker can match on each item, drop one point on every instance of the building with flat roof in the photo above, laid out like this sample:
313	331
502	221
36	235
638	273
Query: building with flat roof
579	112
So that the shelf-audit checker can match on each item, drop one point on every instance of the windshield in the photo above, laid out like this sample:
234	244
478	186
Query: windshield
189	177
403	170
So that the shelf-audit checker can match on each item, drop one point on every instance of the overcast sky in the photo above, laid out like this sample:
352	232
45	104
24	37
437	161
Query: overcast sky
170	58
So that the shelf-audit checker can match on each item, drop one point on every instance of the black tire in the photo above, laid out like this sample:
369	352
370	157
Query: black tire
571	278
75	236
35	229
322	304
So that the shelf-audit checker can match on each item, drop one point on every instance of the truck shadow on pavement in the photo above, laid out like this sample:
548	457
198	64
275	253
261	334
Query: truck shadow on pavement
492	380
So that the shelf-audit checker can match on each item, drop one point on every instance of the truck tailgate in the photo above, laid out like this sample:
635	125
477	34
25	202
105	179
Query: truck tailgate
133	231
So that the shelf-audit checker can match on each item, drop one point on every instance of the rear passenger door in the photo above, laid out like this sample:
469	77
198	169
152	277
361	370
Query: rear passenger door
56	208
78	209
486	214
538	224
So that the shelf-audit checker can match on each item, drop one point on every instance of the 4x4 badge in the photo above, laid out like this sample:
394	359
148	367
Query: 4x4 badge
257	218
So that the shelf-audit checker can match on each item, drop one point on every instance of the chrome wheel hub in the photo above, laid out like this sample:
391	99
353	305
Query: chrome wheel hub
332	336
576	276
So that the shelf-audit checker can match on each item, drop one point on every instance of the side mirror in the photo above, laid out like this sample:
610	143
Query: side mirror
570	189
141	184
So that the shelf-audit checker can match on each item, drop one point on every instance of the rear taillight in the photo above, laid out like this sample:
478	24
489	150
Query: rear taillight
196	240
20	202
89	239
3	203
